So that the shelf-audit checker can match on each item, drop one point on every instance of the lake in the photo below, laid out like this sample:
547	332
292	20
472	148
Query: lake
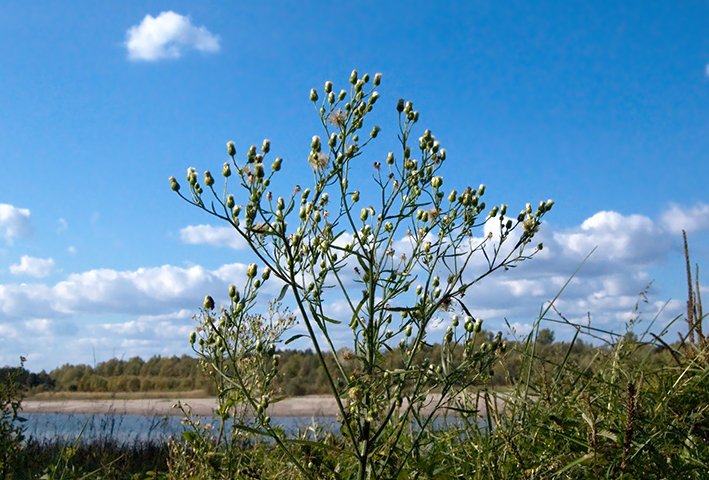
134	428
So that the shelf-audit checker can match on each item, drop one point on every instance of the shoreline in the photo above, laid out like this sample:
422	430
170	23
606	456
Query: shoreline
305	406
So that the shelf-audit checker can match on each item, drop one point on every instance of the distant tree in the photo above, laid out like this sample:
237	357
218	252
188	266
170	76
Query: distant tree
545	337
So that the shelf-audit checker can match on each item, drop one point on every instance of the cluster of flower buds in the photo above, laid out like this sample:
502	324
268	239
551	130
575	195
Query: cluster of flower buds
407	108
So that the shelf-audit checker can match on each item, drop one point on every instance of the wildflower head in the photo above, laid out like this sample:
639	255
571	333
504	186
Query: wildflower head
319	160
337	118
230	149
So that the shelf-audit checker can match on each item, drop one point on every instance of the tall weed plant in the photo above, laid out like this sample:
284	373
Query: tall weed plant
397	252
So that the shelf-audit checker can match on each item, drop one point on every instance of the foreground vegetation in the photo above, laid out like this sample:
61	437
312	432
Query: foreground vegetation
635	407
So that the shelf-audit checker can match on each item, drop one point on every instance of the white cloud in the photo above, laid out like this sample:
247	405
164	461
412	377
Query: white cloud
148	311
71	249
209	235
166	36
693	219
14	223
34	267
63	226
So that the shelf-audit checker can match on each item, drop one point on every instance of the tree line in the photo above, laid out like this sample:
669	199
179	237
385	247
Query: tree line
299	374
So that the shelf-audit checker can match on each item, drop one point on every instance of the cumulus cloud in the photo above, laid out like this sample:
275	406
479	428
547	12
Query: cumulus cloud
34	267
14	223
148	311
167	36
209	235
692	219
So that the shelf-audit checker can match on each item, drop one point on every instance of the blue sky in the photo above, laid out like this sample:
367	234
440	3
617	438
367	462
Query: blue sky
603	107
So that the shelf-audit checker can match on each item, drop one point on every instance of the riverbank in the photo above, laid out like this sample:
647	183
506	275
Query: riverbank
306	406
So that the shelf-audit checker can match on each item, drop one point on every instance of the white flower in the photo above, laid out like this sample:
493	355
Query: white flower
319	160
337	118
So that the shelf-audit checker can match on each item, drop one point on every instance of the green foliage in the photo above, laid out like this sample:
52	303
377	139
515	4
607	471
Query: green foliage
11	431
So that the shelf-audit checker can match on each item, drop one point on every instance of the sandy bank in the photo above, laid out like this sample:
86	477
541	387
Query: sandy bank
307	406
314	405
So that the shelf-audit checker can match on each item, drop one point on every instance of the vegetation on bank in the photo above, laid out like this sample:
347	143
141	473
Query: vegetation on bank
300	372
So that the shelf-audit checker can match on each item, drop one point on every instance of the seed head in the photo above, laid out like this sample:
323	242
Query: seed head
337	118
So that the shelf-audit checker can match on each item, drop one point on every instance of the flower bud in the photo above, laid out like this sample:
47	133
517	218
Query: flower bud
436	281
355	196
252	152
233	292
400	105
257	283
251	270
313	95
528	209
373	99
328	87
550	203
208	303
478	326
226	171
375	131
258	170
193	338
454	320
266	273
230	201
442	154
365	213
266	147
377	79
436	182
481	190
353	77
408	331
342	95
174	185
408	107
503	209
452	196
276	165
493	212
230	149
332	141
419	289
